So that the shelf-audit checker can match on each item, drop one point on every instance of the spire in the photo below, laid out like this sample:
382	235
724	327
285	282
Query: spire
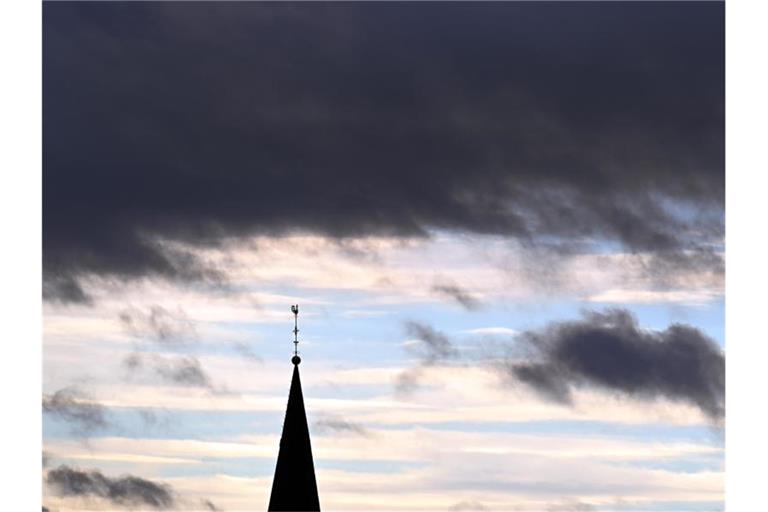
294	487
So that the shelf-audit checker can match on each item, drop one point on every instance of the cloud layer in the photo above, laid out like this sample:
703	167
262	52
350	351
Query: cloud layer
200	123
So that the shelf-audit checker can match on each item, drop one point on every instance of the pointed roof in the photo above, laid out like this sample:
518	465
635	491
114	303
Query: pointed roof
294	487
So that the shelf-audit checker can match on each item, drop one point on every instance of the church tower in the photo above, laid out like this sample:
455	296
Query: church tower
294	487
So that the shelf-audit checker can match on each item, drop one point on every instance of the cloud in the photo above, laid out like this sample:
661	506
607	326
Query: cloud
247	352
64	289
124	491
458	294
340	425
431	347
208	504
608	350
77	408
610	133
181	370
185	370
492	331
158	324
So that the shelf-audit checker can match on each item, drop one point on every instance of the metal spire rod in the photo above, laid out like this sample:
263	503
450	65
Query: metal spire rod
295	310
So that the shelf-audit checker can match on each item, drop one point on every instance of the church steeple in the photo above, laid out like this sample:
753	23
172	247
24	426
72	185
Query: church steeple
294	487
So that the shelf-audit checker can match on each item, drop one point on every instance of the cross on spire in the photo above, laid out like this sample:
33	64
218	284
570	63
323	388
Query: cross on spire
295	310
294	487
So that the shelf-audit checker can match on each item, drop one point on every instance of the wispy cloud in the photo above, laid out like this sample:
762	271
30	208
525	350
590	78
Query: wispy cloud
458	294
340	425
124	491
158	324
76	407
430	346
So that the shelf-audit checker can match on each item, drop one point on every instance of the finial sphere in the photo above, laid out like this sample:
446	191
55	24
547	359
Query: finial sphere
295	359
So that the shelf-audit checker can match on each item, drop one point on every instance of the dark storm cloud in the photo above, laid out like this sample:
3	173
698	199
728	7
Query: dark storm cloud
610	351
158	324
458	294
77	408
549	123
126	491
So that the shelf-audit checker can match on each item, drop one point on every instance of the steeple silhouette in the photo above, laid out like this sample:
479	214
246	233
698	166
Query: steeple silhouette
294	487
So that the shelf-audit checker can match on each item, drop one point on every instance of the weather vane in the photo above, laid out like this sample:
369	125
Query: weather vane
295	310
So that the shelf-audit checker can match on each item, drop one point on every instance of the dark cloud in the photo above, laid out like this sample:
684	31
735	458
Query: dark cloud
64	289
158	324
124	491
550	123
340	425
608	350
77	408
455	292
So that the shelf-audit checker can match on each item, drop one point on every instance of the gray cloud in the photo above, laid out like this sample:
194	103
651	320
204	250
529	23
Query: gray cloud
155	418
124	491
185	370
458	294
432	347
158	324
340	425
608	350
78	409
602	131
208	504
247	352
407	381
181	370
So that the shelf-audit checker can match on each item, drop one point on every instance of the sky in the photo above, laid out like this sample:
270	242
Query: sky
503	223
